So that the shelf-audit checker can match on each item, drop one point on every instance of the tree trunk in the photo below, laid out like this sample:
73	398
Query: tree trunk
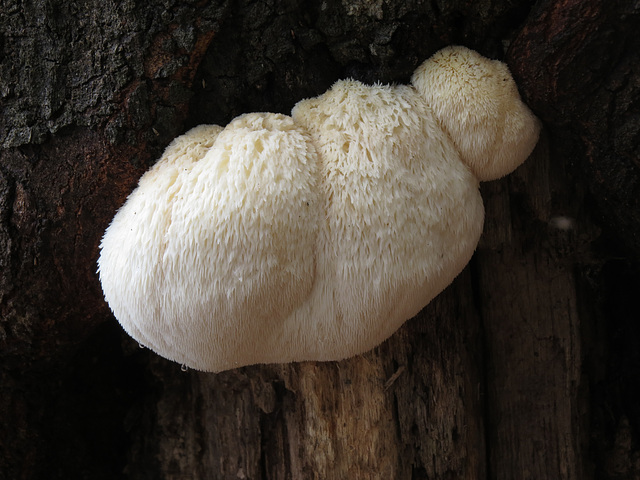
526	367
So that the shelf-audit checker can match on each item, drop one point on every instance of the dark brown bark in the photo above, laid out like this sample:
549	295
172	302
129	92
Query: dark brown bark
536	424
526	367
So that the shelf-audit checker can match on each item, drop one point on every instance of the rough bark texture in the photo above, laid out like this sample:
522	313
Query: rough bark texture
526	367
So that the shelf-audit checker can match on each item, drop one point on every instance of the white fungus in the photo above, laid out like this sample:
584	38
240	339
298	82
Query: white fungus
315	236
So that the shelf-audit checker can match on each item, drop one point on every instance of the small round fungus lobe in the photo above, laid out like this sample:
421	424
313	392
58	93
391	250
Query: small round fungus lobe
477	103
315	236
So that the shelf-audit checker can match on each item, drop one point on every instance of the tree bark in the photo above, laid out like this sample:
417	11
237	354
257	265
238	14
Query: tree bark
525	367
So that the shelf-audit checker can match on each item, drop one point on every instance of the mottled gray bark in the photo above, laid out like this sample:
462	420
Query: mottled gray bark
526	367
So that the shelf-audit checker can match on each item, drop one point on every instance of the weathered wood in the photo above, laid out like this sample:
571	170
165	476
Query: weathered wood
532	329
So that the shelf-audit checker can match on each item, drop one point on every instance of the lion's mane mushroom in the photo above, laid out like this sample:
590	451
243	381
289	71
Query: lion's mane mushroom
315	236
